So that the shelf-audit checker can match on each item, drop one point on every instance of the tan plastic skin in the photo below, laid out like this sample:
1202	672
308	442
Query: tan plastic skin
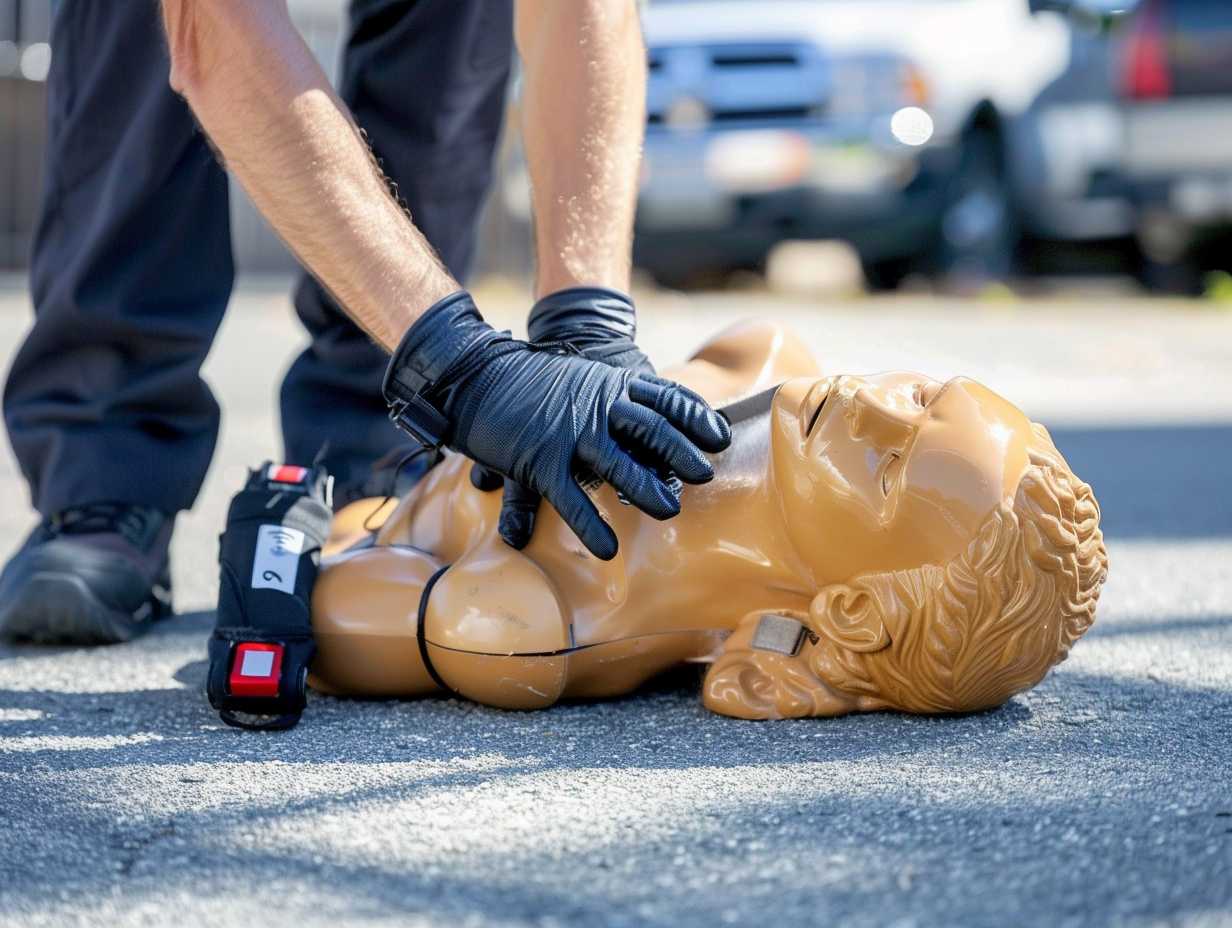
869	542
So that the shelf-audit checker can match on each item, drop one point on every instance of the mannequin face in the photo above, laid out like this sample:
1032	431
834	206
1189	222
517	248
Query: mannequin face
891	471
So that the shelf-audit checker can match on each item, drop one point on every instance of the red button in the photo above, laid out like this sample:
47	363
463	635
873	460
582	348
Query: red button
255	669
287	473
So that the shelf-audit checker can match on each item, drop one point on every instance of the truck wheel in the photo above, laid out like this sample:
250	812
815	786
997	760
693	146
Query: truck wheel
1172	278
887	274
976	237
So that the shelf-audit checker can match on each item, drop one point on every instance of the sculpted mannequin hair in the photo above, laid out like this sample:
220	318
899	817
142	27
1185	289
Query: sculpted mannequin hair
957	637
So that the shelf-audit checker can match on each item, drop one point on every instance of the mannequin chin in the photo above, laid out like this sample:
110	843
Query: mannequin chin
868	543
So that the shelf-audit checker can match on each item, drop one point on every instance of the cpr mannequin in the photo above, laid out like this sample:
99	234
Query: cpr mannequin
883	542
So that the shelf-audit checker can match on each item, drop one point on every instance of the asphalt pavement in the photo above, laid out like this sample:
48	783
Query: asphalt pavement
1102	797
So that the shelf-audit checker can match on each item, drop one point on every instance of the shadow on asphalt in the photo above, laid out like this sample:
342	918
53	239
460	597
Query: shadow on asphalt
1155	482
1109	722
1146	734
1137	738
867	835
663	725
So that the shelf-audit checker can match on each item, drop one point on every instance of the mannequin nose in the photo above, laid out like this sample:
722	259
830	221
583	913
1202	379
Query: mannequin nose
880	422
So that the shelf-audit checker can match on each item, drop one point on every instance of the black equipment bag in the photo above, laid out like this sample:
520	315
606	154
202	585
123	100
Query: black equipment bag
269	555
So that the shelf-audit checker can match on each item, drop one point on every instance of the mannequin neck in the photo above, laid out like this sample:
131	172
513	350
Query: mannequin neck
730	546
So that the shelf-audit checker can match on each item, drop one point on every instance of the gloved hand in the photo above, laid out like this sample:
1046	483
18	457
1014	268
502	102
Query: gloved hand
535	415
597	323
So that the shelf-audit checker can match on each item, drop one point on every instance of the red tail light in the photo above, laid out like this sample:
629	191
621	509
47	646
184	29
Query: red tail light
1146	60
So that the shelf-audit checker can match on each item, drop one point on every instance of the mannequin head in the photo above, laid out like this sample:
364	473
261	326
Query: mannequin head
956	557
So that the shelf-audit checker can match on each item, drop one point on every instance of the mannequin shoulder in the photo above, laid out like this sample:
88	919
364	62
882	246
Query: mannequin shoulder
745	358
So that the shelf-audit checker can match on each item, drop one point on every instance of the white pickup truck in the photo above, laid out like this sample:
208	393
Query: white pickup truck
929	133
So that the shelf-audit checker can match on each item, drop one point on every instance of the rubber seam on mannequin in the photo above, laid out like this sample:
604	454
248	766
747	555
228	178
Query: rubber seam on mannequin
422	633
721	634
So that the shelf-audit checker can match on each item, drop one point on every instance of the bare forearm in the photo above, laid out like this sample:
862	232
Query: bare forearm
583	120
268	108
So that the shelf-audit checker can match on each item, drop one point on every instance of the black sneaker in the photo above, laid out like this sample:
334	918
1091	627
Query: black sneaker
94	574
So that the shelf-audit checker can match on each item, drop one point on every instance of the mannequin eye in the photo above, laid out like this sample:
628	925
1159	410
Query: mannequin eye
816	416
925	393
890	473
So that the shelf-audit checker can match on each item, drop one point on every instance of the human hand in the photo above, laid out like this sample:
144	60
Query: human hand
536	415
597	323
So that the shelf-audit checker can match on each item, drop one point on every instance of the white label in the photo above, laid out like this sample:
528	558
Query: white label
277	560
257	664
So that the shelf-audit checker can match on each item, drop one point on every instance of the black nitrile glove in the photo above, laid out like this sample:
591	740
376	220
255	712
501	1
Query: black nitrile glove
597	323
538	416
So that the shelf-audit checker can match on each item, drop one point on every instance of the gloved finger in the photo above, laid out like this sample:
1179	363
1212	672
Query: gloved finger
639	484
650	438
684	409
581	515
517	517
486	479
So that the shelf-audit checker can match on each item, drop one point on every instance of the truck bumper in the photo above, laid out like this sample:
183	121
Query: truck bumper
695	211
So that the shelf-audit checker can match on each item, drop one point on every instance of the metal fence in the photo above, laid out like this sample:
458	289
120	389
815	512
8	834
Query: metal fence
25	20
24	55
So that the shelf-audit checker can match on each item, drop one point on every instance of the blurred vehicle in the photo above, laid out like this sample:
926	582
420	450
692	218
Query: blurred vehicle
1175	64
754	140
1065	151
930	134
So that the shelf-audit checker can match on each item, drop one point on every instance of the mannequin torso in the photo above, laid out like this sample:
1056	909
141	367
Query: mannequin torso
582	626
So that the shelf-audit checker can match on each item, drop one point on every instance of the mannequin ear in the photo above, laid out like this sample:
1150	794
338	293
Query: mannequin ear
762	675
757	685
850	618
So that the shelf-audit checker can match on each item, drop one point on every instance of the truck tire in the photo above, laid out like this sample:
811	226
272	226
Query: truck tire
976	235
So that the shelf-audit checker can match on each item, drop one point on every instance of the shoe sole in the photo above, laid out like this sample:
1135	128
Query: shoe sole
59	608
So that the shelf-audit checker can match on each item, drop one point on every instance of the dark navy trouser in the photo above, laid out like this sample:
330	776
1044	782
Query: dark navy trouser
132	268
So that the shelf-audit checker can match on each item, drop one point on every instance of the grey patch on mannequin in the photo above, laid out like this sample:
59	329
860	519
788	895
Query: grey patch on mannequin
779	634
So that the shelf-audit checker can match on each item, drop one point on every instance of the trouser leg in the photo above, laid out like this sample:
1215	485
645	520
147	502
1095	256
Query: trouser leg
426	81
130	275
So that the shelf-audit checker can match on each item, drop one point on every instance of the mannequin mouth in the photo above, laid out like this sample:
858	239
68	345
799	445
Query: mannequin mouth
812	405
